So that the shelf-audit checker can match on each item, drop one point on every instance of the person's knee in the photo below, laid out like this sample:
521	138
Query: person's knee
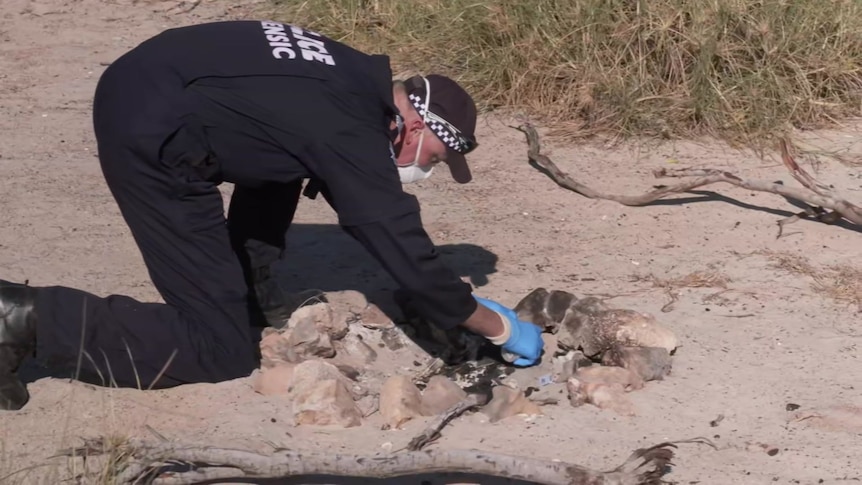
237	363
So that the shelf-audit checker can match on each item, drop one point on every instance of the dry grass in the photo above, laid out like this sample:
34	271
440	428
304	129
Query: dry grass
738	69
72	463
76	460
837	282
710	278
696	279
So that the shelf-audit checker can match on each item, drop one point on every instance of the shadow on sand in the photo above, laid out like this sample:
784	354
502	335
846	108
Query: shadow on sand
324	257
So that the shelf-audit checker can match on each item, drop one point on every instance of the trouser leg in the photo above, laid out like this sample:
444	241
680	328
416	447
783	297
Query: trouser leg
202	332
257	222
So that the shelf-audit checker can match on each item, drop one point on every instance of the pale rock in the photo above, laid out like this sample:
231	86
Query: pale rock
566	366
308	373
650	363
373	317
400	401
604	396
354	349
349	371
600	374
306	340
627	328
322	316
273	349
326	403
506	402
440	394
594	327
338	326
274	380
321	395
301	339
393	338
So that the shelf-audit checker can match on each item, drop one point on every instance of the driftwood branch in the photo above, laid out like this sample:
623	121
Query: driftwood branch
432	432
163	463
814	193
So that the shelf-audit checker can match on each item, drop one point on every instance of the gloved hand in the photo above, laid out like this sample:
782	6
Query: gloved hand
524	338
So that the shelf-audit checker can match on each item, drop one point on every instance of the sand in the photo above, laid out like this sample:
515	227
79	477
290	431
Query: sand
763	340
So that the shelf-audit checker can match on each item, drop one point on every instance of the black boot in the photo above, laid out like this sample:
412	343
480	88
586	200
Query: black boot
17	341
278	305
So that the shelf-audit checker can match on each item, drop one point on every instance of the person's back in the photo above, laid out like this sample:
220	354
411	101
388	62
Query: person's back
278	103
239	48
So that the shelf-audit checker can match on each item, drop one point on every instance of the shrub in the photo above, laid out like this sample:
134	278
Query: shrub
737	69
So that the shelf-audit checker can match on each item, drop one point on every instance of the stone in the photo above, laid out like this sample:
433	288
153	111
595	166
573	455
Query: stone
274	380
440	394
373	317
576	326
326	403
566	366
400	401
322	315
594	327
273	349
321	395
306	341
506	402
627	328
310	372
354	349
604	396
650	363
392	338
601	374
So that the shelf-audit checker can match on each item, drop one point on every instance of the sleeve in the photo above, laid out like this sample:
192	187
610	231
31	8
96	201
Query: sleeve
404	249
361	184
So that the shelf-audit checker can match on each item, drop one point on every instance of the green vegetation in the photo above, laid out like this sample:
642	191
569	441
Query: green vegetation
738	69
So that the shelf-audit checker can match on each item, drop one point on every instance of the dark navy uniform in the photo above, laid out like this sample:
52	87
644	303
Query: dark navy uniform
265	106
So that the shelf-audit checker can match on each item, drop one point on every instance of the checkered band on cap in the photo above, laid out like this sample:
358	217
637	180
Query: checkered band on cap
443	132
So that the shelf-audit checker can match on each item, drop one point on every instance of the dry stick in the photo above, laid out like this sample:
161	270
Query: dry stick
822	197
178	8
432	432
430	370
644	466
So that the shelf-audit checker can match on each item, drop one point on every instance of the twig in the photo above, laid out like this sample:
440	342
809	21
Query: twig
546	401
178	8
177	464
821	196
432	432
674	297
431	369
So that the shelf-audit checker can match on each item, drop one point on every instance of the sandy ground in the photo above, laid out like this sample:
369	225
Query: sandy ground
767	341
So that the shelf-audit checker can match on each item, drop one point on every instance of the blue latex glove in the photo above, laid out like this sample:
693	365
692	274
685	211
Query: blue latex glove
525	339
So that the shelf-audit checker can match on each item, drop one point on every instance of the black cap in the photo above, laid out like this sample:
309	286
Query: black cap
452	117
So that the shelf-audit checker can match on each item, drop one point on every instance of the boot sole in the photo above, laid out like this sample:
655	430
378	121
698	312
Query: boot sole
13	393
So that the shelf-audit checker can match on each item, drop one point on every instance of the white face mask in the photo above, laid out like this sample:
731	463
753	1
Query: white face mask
414	173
